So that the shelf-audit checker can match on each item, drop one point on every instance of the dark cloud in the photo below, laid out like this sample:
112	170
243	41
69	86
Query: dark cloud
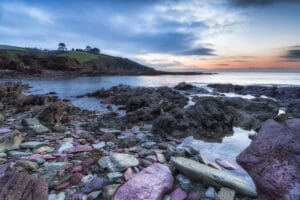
246	3
203	51
293	53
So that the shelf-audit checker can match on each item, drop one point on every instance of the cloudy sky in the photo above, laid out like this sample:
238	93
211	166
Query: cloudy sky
165	34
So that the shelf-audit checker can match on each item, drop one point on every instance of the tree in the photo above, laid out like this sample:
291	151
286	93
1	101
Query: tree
88	48
62	47
95	50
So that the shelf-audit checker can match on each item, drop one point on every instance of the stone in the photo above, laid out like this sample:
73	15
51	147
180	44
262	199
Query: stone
76	178
128	174
225	164
56	173
18	154
4	131
94	195
129	141
178	194
160	157
64	146
114	176
31	144
226	194
78	149
10	141
99	145
95	184
42	149
34	127
109	191
19	186
2	119
62	186
59	196
211	193
118	162
194	195
184	182
211	176
151	183
29	165
272	160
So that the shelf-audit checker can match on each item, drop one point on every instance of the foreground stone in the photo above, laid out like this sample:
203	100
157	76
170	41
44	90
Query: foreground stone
34	127
11	140
272	160
151	183
211	176
118	162
20	186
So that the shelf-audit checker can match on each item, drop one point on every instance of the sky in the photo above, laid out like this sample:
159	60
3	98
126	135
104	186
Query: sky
171	35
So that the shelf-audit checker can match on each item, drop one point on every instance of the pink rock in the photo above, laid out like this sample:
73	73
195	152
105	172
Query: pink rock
77	169
4	131
48	157
78	148
78	196
32	157
128	174
272	160
54	138
62	186
151	158
178	194
225	164
59	155
151	184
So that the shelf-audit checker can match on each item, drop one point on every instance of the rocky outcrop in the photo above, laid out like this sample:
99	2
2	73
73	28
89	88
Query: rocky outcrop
277	92
211	176
209	118
151	183
18	186
10	141
272	160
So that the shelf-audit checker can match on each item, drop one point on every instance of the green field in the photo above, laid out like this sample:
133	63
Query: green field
80	56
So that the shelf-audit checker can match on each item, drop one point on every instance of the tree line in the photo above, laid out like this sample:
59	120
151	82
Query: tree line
63	48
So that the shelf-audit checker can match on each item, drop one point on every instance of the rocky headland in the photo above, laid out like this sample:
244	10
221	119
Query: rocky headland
63	152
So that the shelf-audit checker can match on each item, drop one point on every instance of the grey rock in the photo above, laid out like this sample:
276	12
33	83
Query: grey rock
99	145
226	194
114	176
210	176
34	127
109	191
129	141
31	144
118	162
29	165
9	141
211	193
18	154
94	195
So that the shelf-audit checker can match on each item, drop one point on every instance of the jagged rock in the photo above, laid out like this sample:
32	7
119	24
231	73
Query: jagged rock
151	183
272	160
34	127
10	140
118	162
211	176
20	186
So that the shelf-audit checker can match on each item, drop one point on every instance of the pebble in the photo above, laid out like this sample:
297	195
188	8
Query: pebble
65	146
94	195
178	194
114	176
31	144
210	193
27	164
99	145
225	194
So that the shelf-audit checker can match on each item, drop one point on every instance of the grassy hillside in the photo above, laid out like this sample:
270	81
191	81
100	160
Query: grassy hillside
80	56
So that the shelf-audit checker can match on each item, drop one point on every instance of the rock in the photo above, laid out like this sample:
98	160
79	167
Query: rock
78	149
4	131
94	195
151	183
2	118
118	162
62	186
11	140
42	149
194	195
129	141
31	144
226	194
211	193
109	191
27	164
95	184
18	154
59	196
211	176
34	127
99	145
184	182
114	176
64	146
76	178
128	174
272	160
178	194
225	164
56	173
19	186
183	86
160	157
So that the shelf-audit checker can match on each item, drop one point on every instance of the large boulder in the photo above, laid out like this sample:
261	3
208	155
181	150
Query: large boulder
272	160
10	140
209	118
151	184
19	186
212	176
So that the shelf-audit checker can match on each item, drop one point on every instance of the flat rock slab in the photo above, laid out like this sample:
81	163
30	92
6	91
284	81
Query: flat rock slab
118	162
151	184
20	186
272	160
211	176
